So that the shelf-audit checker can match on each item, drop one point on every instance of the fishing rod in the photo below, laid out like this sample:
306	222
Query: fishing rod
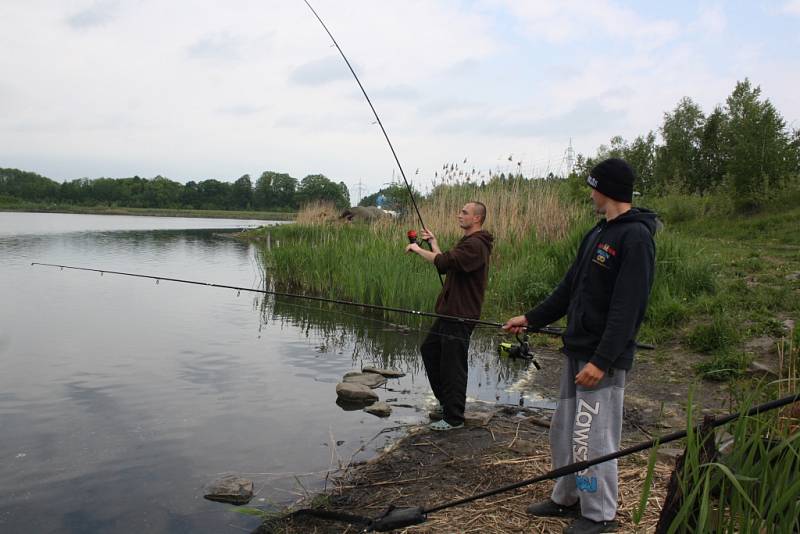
377	118
546	330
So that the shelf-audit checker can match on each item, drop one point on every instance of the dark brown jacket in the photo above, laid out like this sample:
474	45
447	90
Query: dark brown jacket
467	268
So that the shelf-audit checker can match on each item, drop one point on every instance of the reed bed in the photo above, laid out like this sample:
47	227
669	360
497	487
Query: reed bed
537	231
516	209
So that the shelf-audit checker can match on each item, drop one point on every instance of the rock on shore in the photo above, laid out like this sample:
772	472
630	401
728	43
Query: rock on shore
353	392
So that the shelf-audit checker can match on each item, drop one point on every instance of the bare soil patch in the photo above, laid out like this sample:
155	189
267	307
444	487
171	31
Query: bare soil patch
498	447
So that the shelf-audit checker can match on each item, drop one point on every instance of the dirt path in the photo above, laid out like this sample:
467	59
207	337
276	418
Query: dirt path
497	447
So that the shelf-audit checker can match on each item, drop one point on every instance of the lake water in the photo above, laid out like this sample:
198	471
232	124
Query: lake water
121	398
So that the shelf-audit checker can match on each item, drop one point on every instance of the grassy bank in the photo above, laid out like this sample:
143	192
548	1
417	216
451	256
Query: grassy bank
16	205
756	263
724	280
537	232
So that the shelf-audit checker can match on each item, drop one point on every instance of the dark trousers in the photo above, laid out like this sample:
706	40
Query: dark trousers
444	353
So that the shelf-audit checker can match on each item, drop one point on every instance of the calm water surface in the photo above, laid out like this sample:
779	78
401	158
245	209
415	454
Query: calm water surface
121	398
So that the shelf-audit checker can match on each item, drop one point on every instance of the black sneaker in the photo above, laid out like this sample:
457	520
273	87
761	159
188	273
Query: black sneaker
583	525
549	508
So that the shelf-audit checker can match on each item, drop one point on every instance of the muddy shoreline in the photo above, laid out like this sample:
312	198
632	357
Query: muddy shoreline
499	445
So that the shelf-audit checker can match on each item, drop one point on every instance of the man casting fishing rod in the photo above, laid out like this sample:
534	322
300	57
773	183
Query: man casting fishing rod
604	295
444	351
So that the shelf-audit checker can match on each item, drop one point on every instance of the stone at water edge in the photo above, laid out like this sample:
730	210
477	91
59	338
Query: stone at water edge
230	489
388	373
351	392
367	379
381	409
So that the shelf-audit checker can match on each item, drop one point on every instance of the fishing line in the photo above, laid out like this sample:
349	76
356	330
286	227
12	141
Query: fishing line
377	118
465	320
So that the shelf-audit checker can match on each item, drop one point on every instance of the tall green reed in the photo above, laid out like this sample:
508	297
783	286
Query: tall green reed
365	262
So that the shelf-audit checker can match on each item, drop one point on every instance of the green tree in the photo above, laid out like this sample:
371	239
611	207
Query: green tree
213	194
710	164
283	190
757	144
682	130
242	193
317	187
27	186
262	195
190	195
275	190
396	198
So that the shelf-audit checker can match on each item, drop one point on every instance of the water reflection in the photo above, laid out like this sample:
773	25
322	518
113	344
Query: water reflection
392	340
120	398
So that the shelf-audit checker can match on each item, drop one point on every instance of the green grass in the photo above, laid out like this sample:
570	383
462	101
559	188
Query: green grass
363	264
721	279
752	486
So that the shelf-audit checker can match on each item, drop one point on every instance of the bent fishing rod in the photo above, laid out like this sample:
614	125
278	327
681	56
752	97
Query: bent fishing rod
377	118
554	331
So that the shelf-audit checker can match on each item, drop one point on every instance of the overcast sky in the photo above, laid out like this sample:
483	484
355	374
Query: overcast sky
201	89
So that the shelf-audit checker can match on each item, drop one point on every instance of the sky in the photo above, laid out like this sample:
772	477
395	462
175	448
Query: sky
201	89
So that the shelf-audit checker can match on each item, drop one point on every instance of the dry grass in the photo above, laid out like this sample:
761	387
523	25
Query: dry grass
316	213
426	468
789	380
515	209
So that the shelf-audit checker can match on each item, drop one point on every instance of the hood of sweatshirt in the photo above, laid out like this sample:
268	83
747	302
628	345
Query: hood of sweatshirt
643	215
484	236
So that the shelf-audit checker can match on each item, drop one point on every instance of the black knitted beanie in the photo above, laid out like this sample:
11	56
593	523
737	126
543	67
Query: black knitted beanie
614	178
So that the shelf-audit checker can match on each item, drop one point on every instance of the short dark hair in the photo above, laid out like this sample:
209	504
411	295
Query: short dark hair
481	209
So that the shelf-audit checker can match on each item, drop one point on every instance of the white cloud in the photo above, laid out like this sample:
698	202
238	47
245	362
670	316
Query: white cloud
567	20
711	20
792	7
203	89
99	13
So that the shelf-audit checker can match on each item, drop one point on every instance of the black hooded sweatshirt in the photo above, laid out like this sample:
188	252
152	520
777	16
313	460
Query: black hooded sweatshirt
467	268
604	294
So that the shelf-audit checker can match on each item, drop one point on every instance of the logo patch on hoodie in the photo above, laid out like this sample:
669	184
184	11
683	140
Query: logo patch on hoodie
603	254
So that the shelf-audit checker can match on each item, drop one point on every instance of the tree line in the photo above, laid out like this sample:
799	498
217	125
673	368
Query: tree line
743	148
271	191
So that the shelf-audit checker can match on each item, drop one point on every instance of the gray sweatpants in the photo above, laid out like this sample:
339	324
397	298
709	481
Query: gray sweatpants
588	424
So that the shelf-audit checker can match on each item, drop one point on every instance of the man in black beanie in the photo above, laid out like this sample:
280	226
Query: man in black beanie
604	296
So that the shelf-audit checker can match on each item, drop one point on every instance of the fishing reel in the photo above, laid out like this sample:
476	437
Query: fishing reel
412	238
520	351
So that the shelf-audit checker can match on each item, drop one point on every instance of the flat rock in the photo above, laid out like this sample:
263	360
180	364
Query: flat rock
477	418
366	379
352	392
668	454
230	489
525	447
388	373
760	369
381	409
